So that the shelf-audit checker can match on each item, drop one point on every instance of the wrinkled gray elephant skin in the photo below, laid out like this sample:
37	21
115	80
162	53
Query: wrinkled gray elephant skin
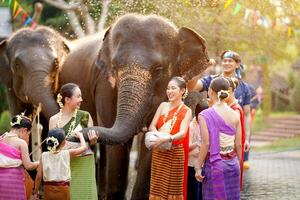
30	61
123	75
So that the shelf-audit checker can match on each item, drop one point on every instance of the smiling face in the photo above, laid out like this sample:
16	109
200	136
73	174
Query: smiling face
174	92
75	100
229	66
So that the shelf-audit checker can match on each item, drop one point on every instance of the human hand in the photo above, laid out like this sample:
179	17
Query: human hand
37	163
212	62
160	141
35	196
93	138
198	174
247	146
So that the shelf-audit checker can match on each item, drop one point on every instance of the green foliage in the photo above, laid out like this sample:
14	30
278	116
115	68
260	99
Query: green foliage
3	100
296	96
291	79
280	145
5	121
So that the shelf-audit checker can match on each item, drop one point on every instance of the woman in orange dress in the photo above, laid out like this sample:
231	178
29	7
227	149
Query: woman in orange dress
233	103
169	166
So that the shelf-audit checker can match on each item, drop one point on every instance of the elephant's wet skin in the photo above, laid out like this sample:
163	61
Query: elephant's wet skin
125	80
32	59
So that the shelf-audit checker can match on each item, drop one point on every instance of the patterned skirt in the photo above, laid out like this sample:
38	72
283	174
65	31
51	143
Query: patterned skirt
167	174
83	178
231	169
12	184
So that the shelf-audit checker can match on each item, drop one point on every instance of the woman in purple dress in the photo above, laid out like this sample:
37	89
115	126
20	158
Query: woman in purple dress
221	147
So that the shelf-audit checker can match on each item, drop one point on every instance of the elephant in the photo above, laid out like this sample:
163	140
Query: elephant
30	62
123	74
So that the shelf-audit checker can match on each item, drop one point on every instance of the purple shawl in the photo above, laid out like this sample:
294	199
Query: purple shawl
215	124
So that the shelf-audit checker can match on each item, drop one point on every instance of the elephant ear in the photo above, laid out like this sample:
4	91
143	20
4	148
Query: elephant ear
193	57
58	66
103	61
5	72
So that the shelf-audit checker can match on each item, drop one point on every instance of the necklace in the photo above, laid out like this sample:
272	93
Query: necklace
72	125
174	118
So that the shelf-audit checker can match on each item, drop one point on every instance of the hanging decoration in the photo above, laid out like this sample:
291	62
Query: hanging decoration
18	14
256	18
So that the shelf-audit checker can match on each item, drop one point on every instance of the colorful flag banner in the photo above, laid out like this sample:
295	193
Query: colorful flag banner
237	9
20	9
227	4
290	31
17	10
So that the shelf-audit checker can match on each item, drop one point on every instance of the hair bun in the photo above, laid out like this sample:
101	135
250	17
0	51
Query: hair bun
50	143
223	95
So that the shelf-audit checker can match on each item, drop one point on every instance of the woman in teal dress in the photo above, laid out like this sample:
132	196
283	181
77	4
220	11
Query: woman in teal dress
71	119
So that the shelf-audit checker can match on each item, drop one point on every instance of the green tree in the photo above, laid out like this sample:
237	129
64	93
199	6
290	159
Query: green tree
5	121
296	95
3	100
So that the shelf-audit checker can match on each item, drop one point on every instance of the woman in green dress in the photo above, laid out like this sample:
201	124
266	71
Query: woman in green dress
71	119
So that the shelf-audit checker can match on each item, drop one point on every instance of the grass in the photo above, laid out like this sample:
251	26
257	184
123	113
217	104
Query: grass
280	145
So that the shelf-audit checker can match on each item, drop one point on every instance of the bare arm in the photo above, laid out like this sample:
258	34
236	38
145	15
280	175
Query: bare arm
203	148
81	149
52	122
158	112
25	157
195	84
38	178
247	114
184	126
179	135
90	123
238	140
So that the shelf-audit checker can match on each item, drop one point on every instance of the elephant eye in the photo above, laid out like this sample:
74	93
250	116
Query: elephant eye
17	65
157	68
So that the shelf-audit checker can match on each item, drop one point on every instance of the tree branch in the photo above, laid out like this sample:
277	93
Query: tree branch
60	4
88	20
101	23
75	24
38	9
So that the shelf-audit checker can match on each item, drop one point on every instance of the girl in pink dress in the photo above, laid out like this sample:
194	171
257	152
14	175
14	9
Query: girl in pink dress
13	156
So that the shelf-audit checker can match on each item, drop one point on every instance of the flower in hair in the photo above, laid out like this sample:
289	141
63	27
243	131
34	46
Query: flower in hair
55	142
58	100
220	93
185	94
18	122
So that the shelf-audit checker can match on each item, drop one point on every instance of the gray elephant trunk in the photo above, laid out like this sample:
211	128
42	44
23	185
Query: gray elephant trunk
42	94
133	102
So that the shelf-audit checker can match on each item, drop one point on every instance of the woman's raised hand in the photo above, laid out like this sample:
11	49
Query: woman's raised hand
93	138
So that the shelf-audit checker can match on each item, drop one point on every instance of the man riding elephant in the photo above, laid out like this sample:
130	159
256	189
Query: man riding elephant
123	75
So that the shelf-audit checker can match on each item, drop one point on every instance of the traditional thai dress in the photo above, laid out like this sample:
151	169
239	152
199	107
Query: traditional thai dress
56	175
83	174
169	167
194	187
11	173
221	167
237	107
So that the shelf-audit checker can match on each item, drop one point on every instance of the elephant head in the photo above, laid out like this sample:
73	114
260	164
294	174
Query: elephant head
31	61
142	53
